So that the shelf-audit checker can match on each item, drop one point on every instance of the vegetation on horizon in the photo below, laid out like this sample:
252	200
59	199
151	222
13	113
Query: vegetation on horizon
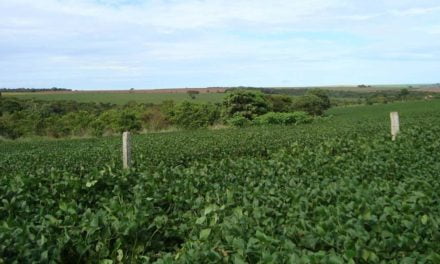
24	118
341	94
118	98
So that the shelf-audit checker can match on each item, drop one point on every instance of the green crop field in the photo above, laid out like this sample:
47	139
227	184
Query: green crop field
158	97
371	88
334	191
374	88
119	98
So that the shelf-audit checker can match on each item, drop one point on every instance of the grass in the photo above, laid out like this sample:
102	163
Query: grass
414	109
120	98
156	98
374	88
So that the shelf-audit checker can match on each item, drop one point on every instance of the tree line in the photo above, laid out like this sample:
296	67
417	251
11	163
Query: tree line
33	90
30	117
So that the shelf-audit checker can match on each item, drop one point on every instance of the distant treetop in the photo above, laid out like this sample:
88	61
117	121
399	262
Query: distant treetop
32	90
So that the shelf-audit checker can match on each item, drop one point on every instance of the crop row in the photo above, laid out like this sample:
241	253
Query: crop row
329	192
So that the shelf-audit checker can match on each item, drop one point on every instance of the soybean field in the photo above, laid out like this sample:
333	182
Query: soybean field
337	190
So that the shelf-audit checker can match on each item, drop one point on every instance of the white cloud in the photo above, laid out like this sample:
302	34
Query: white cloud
431	29
416	11
173	42
361	17
165	15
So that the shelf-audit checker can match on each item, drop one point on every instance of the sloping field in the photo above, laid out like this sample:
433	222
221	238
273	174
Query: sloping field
334	191
123	97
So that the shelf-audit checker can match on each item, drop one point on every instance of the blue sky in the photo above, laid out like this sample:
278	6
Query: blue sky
119	44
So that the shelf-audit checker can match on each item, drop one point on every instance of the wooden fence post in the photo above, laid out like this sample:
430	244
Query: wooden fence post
395	126
126	150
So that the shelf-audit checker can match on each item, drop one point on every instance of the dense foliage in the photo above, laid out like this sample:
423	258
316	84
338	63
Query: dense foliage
120	97
365	93
25	118
33	90
246	104
315	102
190	116
272	118
336	191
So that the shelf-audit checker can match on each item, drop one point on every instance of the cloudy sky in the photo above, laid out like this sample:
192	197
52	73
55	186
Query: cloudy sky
119	44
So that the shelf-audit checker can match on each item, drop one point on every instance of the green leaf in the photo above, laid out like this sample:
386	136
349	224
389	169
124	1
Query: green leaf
210	209
365	254
238	260
201	220
229	196
366	216
204	234
335	260
44	255
424	219
42	241
120	255
91	183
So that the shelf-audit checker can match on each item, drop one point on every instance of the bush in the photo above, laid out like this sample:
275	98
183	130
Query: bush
311	104
154	119
248	104
377	99
192	116
323	95
315	102
272	118
8	131
239	121
128	122
98	128
280	103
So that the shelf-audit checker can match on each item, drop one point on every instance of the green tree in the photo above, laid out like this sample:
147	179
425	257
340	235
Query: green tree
403	93
323	95
78	122
97	128
8	130
315	102
128	121
280	103
311	104
154	119
273	118
239	121
192	94
192	115
248	104
111	120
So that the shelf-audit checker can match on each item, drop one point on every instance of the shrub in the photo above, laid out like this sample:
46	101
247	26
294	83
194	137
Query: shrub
128	122
315	102
378	99
154	119
280	103
8	131
248	104
239	121
323	95
98	128
192	116
272	118
311	104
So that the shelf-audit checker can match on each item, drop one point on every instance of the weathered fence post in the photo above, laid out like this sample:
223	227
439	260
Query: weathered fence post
395	126
126	150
